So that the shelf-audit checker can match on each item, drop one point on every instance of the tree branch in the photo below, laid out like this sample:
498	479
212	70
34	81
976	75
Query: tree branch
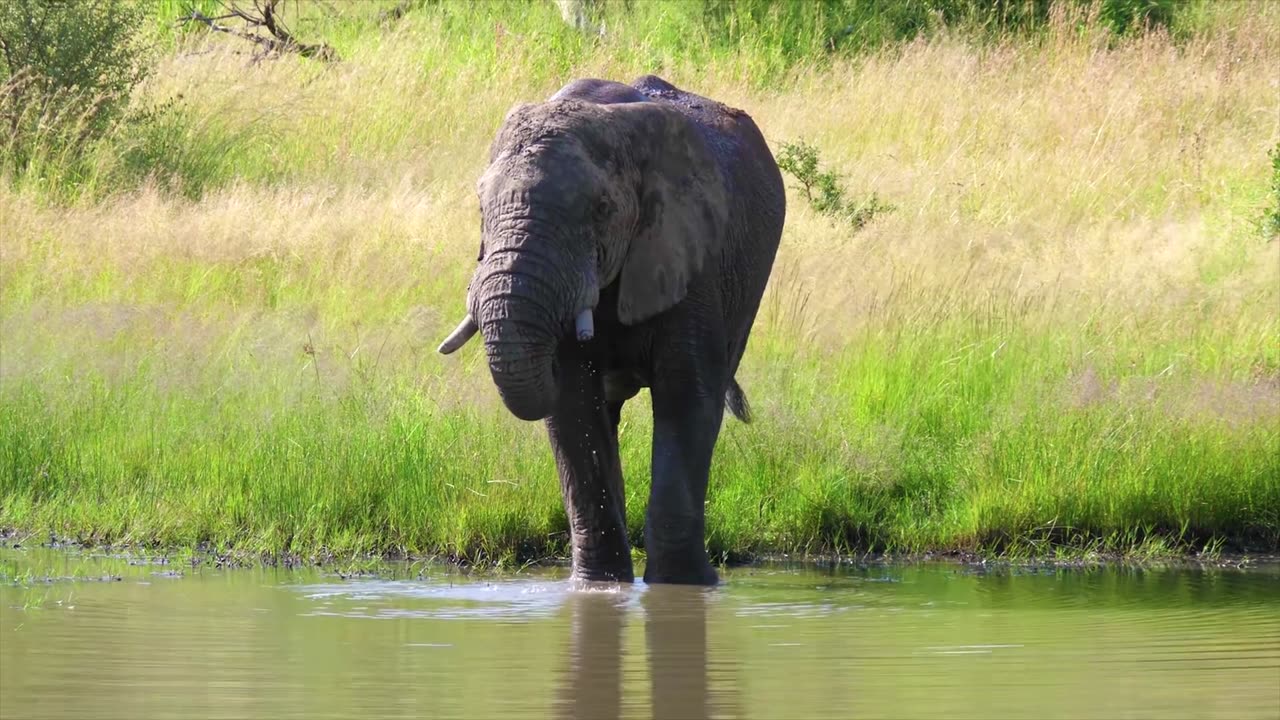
279	40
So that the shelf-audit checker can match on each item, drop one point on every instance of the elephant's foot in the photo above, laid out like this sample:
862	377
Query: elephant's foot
690	568
608	566
596	575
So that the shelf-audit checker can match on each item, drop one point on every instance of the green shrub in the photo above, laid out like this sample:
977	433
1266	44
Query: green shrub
67	71
823	189
1124	16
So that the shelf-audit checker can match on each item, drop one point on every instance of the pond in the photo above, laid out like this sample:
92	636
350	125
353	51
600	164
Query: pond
110	637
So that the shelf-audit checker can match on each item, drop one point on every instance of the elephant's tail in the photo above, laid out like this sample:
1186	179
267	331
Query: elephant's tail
737	401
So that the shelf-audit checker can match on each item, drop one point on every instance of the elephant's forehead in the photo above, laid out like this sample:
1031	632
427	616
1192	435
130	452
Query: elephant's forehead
552	177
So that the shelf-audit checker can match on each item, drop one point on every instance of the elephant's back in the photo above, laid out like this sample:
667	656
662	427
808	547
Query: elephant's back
758	201
734	140
722	127
600	92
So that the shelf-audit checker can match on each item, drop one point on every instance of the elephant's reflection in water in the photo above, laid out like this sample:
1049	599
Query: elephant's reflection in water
675	620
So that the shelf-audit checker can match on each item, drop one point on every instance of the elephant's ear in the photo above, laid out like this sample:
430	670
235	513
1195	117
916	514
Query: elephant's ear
681	214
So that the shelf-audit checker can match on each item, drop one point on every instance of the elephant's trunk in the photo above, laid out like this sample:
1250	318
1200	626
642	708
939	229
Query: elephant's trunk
519	316
525	377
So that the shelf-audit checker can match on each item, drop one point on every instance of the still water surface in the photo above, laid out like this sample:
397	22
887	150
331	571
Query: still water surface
873	642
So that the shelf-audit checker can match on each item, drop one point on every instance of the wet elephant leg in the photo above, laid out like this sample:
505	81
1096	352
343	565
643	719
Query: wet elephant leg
688	407
584	440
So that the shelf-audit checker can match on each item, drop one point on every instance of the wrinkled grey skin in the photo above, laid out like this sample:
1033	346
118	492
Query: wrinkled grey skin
660	212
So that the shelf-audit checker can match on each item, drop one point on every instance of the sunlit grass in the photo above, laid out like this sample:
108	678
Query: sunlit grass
1065	336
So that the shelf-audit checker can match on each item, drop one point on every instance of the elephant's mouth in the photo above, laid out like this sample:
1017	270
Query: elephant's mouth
584	329
522	362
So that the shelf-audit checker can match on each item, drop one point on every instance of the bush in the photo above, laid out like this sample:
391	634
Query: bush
1124	16
823	189
1271	220
67	73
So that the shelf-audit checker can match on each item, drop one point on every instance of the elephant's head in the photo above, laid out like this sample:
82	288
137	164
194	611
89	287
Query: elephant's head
578	196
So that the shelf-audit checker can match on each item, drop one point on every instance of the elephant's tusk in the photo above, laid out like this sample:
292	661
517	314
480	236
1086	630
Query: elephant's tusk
459	337
584	325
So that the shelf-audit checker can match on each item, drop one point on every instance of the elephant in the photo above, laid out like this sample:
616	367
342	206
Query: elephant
627	235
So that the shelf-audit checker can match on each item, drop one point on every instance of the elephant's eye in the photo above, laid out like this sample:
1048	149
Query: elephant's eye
602	208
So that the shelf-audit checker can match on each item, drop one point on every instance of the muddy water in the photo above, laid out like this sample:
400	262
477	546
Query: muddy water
879	642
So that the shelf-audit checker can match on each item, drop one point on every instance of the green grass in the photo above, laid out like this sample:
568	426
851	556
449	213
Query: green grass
945	435
1063	339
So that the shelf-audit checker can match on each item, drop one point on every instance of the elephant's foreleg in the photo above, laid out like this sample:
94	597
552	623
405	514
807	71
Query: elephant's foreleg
584	439
688	406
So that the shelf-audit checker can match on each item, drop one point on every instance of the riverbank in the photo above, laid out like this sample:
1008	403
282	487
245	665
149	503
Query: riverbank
1061	340
180	560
